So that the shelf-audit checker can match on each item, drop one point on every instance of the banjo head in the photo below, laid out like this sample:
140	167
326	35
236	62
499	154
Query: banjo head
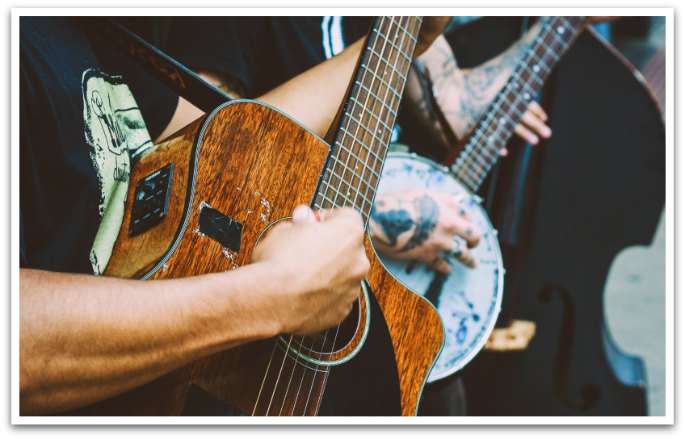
468	300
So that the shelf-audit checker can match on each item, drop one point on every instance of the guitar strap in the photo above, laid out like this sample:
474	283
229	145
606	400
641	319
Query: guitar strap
173	74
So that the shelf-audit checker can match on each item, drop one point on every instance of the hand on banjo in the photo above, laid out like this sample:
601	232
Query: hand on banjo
423	225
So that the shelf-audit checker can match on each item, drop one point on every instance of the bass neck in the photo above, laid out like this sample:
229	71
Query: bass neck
471	163
361	141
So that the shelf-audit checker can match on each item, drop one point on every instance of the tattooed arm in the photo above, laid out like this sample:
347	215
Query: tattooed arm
422	225
464	94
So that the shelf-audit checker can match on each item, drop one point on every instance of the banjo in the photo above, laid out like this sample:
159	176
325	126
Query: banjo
469	300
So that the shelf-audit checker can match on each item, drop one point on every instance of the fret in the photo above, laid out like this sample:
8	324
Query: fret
361	160
337	196
351	184
384	82
404	29
496	128
348	192
373	116
355	138
397	49
553	53
360	147
362	144
383	104
389	68
389	109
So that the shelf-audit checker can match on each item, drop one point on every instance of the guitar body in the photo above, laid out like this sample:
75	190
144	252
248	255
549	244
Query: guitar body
253	164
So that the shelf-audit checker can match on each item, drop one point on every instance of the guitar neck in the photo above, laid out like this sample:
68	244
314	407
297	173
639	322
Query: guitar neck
496	127
361	143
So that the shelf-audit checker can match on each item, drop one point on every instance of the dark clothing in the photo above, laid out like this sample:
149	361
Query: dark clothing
79	124
260	53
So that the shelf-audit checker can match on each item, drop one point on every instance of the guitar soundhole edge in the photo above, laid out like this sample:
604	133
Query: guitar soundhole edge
331	346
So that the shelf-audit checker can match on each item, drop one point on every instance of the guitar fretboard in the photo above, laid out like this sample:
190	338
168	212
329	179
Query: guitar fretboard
361	143
495	129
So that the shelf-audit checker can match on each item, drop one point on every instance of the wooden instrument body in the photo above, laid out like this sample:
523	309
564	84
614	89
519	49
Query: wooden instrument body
254	164
596	187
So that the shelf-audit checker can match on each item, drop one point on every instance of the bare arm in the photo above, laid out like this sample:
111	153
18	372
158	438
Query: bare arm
85	338
464	94
313	97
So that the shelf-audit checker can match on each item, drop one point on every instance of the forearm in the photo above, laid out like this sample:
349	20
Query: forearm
313	97
85	338
463	95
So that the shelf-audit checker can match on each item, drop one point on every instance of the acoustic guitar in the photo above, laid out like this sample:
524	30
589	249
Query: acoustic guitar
201	201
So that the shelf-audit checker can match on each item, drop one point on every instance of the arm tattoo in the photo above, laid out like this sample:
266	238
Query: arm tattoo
479	90
428	211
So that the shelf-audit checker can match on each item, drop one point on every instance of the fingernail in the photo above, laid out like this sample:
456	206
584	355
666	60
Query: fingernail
302	214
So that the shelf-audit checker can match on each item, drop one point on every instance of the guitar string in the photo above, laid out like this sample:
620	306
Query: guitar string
474	179
467	158
549	52
394	105
375	32
538	75
473	175
370	93
295	365
325	187
470	157
381	25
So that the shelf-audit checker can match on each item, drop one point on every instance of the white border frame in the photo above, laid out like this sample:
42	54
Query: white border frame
668	418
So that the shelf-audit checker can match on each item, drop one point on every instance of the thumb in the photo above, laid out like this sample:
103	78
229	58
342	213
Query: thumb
303	215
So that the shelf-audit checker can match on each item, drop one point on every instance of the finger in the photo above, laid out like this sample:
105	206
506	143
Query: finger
303	215
469	232
441	265
464	212
536	124
464	255
526	134
537	110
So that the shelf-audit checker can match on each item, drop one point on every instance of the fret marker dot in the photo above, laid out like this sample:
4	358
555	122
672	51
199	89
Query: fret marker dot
560	29
526	96
502	121
536	68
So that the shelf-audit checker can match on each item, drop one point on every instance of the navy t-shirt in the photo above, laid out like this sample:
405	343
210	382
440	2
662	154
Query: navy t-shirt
79	126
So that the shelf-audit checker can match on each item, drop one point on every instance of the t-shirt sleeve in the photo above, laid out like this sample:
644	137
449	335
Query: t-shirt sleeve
231	46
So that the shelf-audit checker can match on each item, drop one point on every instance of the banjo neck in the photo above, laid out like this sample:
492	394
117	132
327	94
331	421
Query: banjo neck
496	127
